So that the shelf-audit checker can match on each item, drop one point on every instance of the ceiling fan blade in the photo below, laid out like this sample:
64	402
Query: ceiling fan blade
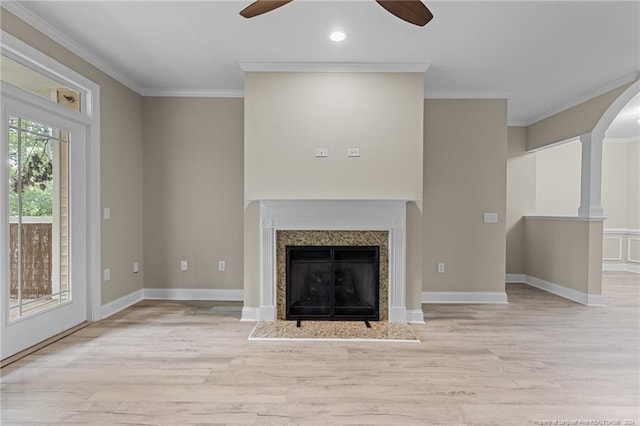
412	11
262	6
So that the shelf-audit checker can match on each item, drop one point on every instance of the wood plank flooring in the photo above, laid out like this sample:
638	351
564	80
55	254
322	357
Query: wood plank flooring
537	360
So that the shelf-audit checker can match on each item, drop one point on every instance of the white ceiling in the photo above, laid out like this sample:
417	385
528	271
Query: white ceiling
542	55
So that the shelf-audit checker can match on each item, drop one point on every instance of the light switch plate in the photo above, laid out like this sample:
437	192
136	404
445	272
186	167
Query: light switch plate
106	275
136	267
184	265
491	218
353	152
107	213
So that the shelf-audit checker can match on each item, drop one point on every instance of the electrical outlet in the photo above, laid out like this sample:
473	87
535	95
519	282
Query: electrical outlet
322	152
184	265
136	267
441	268
353	152
222	265
106	275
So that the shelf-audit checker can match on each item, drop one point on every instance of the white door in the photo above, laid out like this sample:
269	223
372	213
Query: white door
43	228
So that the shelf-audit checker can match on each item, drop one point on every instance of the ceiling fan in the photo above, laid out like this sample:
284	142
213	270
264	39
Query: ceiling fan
412	11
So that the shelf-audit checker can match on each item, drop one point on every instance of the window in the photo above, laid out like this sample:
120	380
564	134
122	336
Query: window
25	78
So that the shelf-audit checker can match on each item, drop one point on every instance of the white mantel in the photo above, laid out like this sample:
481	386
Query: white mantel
338	215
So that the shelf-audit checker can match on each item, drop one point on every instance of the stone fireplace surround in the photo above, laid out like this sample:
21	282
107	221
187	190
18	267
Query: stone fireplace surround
335	215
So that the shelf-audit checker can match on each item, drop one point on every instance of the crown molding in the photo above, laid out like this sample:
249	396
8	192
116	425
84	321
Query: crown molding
333	67
586	97
516	124
67	42
458	94
193	93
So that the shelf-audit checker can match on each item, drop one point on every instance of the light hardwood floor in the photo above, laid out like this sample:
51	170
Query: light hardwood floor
537	360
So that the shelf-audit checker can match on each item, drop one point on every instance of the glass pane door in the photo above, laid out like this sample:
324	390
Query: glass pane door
43	257
38	180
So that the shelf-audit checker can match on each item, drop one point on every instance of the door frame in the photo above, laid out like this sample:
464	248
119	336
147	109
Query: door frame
89	116
25	331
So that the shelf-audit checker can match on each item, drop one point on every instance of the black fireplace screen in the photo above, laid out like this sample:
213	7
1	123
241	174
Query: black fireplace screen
333	283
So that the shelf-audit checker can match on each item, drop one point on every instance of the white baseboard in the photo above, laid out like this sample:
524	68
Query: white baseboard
193	294
514	278
250	314
267	313
464	297
397	314
620	267
415	316
124	302
562	291
130	299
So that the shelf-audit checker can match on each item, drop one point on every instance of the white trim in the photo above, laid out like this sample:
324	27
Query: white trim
586	97
415	316
629	259
94	204
553	145
614	109
464	297
620	267
197	93
193	294
32	219
625	231
333	67
567	218
514	278
566	292
67	42
614	267
516	124
123	302
453	94
320	339
619	239
250	314
213	294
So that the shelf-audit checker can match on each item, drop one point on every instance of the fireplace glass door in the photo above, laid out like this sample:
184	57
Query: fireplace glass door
336	283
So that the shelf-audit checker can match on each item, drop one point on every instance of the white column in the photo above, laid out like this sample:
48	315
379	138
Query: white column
591	177
267	267
397	267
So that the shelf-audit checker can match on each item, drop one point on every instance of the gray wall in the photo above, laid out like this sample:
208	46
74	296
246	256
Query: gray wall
521	196
193	186
465	159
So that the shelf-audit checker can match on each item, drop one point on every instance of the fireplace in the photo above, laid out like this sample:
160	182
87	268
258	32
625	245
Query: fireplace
332	223
332	283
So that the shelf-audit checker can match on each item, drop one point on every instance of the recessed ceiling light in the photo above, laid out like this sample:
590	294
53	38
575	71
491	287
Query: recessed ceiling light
337	36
